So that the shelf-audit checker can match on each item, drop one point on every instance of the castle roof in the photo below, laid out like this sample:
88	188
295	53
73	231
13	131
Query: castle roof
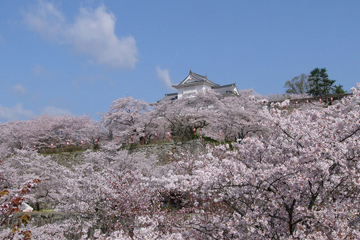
229	89
169	96
194	79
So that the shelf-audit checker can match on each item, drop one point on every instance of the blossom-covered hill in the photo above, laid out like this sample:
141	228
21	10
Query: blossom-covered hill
292	175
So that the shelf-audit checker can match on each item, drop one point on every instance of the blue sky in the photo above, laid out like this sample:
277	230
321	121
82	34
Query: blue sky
76	57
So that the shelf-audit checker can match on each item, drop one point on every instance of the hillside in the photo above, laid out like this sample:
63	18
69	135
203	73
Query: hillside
290	174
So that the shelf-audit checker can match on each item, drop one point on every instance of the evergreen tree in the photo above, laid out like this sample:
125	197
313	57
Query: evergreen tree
320	84
338	89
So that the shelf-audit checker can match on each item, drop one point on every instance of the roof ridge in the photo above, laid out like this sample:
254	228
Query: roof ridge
199	75
204	78
198	78
227	85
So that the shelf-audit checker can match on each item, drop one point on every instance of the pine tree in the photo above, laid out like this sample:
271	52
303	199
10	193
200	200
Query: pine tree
320	84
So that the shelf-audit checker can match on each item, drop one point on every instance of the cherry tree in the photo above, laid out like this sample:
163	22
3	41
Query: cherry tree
212	115
238	116
113	184
195	111
10	203
44	130
126	117
206	111
26	165
14	134
60	129
299	181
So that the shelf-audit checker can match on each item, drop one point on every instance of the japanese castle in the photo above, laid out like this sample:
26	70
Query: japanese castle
195	82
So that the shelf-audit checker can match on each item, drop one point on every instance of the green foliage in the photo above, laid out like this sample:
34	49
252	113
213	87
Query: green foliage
216	142
338	89
319	82
210	140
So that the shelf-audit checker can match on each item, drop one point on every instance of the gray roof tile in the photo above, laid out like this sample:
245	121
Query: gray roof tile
194	79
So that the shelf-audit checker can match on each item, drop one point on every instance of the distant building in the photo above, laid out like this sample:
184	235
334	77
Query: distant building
195	82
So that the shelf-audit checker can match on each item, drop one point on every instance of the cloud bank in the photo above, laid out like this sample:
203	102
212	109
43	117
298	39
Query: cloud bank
91	34
18	112
164	76
15	113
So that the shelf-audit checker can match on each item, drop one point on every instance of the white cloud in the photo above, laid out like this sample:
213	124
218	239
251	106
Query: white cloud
46	20
92	34
18	88
164	76
15	113
53	111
